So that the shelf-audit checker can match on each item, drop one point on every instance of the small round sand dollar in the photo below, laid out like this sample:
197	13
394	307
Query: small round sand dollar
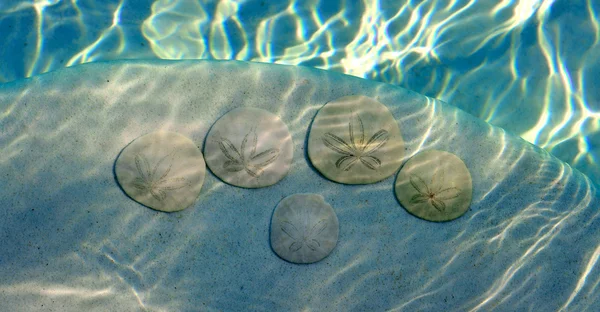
355	140
249	147
304	228
435	186
161	170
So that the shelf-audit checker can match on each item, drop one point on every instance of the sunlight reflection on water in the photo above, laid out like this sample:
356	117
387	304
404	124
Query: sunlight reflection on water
524	69
527	66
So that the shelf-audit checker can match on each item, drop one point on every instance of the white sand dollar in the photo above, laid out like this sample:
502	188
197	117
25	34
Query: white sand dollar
249	147
435	185
304	228
355	140
162	170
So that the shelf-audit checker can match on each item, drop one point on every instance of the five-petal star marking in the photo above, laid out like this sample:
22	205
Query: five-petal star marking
247	158
357	149
434	193
305	237
150	181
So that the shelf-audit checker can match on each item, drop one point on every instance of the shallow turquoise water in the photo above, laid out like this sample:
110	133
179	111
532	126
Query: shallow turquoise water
528	66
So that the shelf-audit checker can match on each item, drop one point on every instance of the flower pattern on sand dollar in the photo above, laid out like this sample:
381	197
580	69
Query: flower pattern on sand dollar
357	149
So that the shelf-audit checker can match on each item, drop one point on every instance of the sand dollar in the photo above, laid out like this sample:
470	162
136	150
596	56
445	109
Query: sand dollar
249	147
355	140
162	170
435	186
304	228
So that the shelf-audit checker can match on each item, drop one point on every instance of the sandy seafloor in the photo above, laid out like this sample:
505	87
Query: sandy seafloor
71	240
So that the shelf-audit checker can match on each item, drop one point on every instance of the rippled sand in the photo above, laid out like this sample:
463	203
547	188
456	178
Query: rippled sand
72	240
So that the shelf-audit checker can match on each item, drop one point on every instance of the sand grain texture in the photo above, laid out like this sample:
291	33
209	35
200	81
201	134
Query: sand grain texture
72	240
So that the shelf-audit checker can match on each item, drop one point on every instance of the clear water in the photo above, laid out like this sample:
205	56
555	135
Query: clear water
526	66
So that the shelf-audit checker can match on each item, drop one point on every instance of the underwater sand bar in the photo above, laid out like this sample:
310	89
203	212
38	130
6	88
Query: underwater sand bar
532	221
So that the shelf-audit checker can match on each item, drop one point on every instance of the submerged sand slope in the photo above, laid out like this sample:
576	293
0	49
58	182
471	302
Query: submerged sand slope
72	240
